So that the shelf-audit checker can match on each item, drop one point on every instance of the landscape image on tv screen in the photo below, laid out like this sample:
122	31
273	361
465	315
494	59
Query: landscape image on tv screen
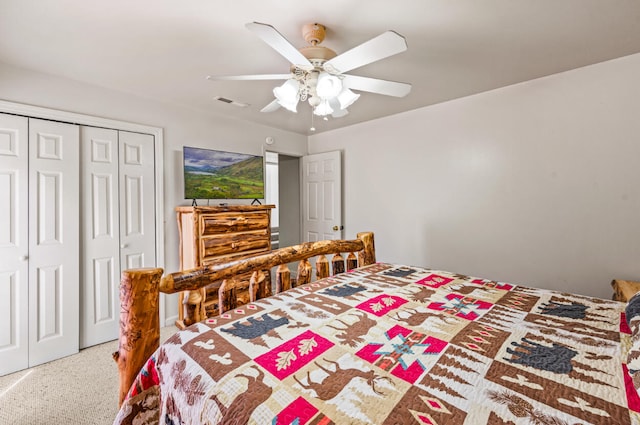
212	174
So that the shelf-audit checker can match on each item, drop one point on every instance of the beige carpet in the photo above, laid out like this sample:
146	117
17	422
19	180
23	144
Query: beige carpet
79	389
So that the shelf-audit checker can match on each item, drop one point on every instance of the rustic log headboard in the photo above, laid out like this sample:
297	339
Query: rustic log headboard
140	288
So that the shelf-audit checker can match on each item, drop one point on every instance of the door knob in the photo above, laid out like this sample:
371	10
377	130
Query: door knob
336	228
124	245
24	258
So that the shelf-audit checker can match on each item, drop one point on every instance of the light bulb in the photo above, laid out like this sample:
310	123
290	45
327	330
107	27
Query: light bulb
346	98
328	85
287	95
337	110
323	108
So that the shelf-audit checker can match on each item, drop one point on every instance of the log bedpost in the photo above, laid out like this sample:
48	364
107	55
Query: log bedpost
322	267
304	272
283	278
227	299
368	254
254	286
139	323
337	264
192	304
352	261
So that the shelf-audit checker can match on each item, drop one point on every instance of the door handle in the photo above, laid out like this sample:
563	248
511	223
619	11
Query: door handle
336	228
124	245
24	257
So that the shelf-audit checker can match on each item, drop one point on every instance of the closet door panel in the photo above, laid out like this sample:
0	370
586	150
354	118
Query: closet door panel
54	240
137	200
14	243
100	235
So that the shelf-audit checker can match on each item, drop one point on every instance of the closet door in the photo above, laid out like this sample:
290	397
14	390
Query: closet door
137	200
100	235
14	244
53	240
118	223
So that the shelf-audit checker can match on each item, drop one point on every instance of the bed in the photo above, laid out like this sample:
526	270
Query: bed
377	344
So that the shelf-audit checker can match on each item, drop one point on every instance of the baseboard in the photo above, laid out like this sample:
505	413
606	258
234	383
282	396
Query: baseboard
170	321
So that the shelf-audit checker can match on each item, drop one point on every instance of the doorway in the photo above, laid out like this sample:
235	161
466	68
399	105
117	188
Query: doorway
283	190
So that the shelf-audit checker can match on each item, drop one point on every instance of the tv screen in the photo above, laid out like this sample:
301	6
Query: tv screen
213	174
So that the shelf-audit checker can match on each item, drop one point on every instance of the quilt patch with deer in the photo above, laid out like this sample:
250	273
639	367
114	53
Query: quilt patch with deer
390	344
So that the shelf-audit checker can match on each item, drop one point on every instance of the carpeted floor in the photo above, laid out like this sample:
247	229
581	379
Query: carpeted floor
79	389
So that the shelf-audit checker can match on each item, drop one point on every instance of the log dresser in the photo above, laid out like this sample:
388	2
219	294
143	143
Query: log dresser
210	234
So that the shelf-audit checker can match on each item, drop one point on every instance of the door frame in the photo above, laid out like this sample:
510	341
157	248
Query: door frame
274	149
89	120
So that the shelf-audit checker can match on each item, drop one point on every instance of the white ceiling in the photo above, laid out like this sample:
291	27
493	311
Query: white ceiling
164	49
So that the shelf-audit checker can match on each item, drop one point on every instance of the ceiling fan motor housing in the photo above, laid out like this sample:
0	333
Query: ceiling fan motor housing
314	35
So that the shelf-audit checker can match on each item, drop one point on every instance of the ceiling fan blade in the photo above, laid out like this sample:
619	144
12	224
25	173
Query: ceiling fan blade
271	107
374	85
273	38
249	77
380	47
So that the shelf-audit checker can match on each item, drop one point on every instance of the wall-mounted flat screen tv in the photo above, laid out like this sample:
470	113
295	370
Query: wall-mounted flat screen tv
213	174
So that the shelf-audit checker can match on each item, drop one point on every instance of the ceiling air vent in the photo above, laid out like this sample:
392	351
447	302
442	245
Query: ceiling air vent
231	102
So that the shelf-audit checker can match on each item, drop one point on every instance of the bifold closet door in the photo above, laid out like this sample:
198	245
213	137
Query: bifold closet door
118	223
14	244
53	240
100	235
137	200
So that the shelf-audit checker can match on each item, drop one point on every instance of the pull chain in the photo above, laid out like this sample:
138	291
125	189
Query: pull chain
312	127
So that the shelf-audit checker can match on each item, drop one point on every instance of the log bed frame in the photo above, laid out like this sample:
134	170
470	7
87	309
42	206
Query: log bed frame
140	288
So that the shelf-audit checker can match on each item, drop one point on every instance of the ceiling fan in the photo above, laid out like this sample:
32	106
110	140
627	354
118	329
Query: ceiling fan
318	73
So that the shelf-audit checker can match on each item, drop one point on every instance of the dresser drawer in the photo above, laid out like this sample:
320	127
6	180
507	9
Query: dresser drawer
212	224
217	245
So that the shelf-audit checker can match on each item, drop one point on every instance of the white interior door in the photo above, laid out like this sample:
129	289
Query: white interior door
137	200
322	196
14	243
100	256
53	240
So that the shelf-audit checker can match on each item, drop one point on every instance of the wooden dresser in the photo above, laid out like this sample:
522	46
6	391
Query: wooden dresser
209	234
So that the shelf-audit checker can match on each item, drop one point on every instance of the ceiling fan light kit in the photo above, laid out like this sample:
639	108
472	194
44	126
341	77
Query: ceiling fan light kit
287	95
318	73
328	85
346	98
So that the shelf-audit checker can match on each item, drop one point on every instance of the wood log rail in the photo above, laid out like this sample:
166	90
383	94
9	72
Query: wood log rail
139	291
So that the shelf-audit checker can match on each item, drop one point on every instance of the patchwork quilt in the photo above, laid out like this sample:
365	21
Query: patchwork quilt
393	344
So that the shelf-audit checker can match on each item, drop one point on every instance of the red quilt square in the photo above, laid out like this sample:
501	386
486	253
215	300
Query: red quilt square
434	281
289	357
382	304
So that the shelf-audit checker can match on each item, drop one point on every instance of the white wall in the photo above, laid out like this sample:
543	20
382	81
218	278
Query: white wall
536	183
181	127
